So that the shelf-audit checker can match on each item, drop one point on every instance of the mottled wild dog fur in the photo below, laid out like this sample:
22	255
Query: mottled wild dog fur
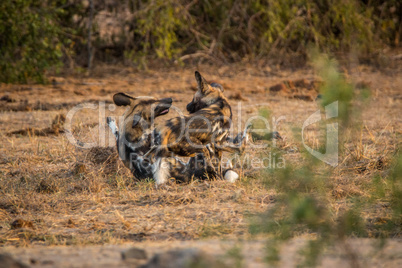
204	131
209	97
136	135
134	139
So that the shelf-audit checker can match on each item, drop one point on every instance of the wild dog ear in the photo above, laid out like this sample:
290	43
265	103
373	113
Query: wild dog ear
218	86
136	120
121	99
201	82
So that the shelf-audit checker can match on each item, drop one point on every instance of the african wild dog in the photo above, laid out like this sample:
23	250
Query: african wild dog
134	138
208	95
136	134
204	131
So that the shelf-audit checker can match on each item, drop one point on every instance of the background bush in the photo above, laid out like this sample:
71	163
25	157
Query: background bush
28	40
37	35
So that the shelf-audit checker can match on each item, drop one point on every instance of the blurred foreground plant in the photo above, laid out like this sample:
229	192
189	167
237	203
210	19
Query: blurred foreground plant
304	202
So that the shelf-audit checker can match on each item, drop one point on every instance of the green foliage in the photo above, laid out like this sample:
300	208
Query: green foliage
38	36
156	29
228	30
211	229
235	256
351	223
161	20
389	189
330	25
303	204
29	42
335	87
395	181
303	207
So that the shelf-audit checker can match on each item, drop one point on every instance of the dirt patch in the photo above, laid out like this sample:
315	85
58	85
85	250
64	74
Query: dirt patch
36	132
238	96
20	223
79	197
56	128
229	252
301	89
26	106
105	157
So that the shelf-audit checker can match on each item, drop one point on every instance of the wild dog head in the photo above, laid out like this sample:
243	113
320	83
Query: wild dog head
140	113
206	95
208	102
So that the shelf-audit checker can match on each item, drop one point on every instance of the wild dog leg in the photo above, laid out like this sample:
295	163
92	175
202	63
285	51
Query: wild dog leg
206	150
228	173
231	145
217	157
217	161
162	168
239	142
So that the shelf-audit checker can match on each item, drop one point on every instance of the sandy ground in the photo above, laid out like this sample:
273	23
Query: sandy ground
82	210
366	253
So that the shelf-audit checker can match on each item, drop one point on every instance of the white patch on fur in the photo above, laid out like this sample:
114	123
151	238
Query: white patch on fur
231	176
221	136
209	147
151	150
115	130
161	171
215	127
229	164
181	162
198	95
138	161
245	133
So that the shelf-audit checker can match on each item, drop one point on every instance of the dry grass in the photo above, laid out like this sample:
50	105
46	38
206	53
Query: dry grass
64	195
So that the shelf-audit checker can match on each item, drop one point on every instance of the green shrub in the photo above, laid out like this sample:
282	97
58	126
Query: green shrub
303	191
29	42
38	35
228	30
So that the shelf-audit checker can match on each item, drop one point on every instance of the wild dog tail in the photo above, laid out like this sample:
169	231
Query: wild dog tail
242	136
